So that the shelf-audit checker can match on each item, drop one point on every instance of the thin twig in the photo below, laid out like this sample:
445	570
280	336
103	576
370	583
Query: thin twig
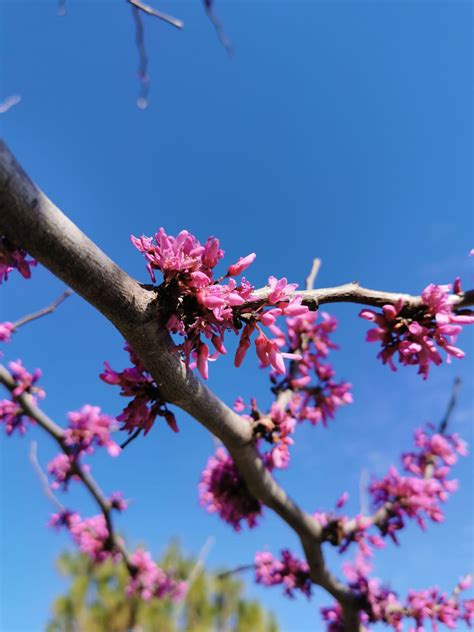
42	312
131	438
311	278
217	24
169	19
363	496
42	476
142	101
195	570
9	102
238	569
451	405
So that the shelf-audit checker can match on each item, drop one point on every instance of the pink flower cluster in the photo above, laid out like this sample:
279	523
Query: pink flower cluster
90	534
289	571
415	335
13	258
11	413
146	404
88	428
197	306
420	494
222	490
151	581
381	604
6	330
309	392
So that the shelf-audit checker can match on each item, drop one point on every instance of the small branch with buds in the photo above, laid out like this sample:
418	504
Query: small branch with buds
54	430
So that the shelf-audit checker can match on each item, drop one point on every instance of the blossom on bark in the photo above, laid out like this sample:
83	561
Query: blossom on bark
12	414
223	491
91	535
6	330
199	307
289	571
149	580
380	604
13	258
415	335
146	403
88	428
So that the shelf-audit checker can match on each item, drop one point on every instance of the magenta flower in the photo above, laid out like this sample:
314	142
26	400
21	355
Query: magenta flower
6	330
60	469
223	491
13	258
151	581
292	573
146	403
88	427
201	308
90	535
11	413
416	336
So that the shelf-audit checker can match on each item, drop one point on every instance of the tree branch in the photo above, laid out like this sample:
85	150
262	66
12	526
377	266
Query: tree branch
354	293
42	312
169	19
31	409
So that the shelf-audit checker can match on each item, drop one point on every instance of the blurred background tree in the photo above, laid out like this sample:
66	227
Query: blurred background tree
96	600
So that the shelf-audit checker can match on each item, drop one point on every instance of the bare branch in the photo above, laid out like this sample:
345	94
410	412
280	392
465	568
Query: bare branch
169	19
217	24
44	311
354	293
311	278
142	101
238	569
43	478
451	405
62	11
9	102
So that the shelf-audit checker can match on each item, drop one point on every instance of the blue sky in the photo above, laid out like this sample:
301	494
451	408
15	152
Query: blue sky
341	130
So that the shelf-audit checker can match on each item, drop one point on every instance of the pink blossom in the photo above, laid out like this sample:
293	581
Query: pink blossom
90	534
12	258
6	330
222	490
242	264
88	427
12	414
118	502
289	571
60	469
151	581
146	402
200	307
414	336
13	417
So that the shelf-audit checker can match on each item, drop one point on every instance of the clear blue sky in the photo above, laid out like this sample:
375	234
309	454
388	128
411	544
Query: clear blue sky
341	130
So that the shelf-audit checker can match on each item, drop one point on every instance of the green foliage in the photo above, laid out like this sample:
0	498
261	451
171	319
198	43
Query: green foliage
97	602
